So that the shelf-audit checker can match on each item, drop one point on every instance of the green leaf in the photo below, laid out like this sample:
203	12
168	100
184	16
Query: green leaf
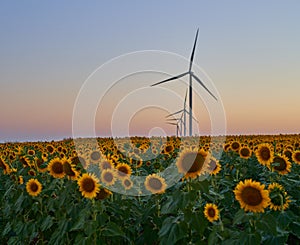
240	217
172	230
267	224
250	238
295	228
112	229
47	223
7	229
275	240
170	206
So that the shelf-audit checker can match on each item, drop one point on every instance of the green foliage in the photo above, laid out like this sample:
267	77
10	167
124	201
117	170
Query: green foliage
60	215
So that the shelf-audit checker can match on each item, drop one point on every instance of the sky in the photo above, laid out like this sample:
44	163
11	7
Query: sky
250	51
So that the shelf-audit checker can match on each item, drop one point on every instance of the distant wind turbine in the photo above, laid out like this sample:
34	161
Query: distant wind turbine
191	75
183	112
178	129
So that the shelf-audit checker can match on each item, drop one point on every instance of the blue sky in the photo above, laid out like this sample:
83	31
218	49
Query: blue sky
48	48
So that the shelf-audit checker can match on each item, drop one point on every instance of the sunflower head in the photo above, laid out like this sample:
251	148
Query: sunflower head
264	154
211	212
69	169
103	194
56	169
252	196
4	166
235	146
279	200
33	187
155	184
108	177
245	152
281	165
214	167
88	185
127	183
95	156
192	163
123	170
296	156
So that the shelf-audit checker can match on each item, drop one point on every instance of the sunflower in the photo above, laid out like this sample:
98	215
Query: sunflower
108	177
50	148
264	154
4	166
69	169
21	180
33	187
127	183
281	164
56	168
31	152
296	157
279	198
103	194
155	184
106	164
214	167
288	153
245	152
168	149
95	156
123	170
252	196
211	212
235	146
192	163
40	164
88	185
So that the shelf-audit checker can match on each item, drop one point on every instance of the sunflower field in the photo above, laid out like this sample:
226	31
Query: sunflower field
233	190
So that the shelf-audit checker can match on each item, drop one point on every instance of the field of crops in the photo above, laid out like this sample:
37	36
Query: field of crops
238	190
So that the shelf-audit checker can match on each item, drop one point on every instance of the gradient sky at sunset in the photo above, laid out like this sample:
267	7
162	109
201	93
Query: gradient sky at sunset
250	50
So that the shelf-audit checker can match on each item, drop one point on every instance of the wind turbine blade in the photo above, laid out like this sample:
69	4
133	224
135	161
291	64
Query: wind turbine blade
192	115
173	119
170	79
174	113
193	52
172	123
185	97
199	81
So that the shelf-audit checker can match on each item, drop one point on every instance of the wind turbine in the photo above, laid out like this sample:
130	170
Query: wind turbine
184	111
191	75
178	121
177	127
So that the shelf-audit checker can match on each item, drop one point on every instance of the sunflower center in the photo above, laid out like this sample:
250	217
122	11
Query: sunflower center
95	155
127	183
108	177
251	196
34	187
282	163
297	156
168	148
193	162
155	184
265	153
211	212
2	165
68	169
57	168
88	185
235	145
123	170
245	152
